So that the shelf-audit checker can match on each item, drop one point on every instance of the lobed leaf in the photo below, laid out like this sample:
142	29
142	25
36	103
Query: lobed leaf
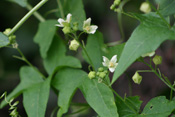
4	41
128	107
67	81
44	36
158	106
146	38
29	77
35	99
100	97
56	57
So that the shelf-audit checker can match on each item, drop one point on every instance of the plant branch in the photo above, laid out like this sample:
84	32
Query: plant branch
60	9
27	16
36	14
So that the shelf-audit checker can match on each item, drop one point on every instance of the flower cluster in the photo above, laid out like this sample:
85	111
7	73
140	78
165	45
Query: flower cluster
87	27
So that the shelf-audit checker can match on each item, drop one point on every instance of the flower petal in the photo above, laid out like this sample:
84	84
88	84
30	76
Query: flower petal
106	61
111	69
60	20
87	23
114	59
93	29
69	17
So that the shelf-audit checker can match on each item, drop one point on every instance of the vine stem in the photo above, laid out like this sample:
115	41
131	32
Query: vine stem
27	16
159	75
36	14
159	14
24	59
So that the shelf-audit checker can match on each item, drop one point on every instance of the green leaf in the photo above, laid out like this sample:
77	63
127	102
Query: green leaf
35	99
159	107
166	7
29	77
100	97
4	41
114	50
94	48
67	81
146	38
22	3
129	106
76	8
56	57
44	36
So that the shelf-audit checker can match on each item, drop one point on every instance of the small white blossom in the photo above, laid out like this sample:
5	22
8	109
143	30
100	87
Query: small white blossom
63	22
88	28
150	54
111	64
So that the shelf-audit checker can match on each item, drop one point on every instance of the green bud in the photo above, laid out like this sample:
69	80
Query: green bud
137	78
112	7
7	31
157	60
106	71
100	69
116	2
102	74
75	26
100	80
98	73
66	30
145	7
74	45
91	74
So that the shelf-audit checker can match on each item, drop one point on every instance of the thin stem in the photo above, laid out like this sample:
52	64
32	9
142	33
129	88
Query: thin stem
27	16
159	14
144	71
77	111
159	76
60	8
84	49
36	14
24	59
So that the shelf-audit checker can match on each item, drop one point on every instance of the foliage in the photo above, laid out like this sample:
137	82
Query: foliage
65	74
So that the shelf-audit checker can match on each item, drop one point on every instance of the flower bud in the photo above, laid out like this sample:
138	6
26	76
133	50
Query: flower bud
145	7
102	74
91	74
100	69
116	2
7	31
117	10
137	78
157	60
11	37
74	45
66	30
112	7
75	26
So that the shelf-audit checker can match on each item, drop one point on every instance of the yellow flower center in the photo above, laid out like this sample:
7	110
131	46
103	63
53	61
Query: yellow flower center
87	28
111	64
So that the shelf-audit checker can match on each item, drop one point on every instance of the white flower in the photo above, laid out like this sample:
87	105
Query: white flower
88	28
150	54
63	22
110	64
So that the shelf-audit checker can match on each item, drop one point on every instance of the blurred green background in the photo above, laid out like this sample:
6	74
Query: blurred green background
99	11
